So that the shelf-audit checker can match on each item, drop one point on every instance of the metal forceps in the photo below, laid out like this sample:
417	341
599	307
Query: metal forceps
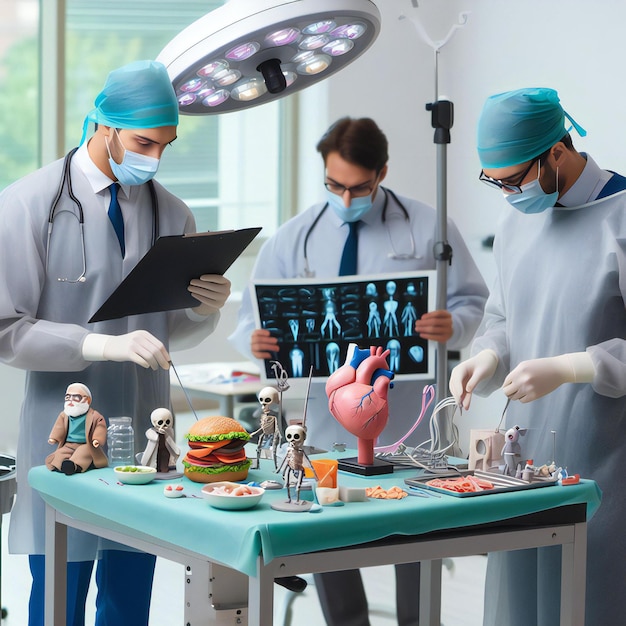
506	406
180	382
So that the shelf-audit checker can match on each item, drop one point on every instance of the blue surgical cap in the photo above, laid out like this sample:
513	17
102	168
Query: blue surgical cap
137	95
517	126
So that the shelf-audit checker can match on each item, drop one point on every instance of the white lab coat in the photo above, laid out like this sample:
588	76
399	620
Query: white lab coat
43	321
282	256
561	287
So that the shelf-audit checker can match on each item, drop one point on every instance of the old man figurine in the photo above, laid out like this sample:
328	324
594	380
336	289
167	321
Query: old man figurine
79	433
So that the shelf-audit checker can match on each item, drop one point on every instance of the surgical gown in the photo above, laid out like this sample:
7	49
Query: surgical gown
561	288
43	321
402	243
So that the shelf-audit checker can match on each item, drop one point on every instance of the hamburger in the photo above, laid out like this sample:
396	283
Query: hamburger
216	450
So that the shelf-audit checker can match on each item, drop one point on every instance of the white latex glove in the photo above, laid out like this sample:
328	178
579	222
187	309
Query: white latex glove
466	375
538	377
212	290
139	347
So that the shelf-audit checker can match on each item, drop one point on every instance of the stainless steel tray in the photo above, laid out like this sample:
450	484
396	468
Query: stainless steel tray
500	482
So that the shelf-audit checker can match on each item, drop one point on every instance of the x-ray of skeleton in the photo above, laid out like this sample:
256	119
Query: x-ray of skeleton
315	320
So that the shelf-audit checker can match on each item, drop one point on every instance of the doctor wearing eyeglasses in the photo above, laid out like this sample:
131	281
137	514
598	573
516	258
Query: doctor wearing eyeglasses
395	234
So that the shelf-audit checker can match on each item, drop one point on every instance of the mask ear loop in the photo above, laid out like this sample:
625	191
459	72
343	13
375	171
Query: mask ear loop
557	180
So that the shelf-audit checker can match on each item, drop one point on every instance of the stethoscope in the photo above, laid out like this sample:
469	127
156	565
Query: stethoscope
394	254
66	179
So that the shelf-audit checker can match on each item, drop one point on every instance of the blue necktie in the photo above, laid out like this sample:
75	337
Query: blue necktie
350	249
115	215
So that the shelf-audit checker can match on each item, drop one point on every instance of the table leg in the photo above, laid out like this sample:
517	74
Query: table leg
573	576
56	570
261	596
227	406
430	592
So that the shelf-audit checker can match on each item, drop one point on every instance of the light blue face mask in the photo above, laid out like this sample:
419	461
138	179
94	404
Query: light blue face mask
532	198
135	168
357	209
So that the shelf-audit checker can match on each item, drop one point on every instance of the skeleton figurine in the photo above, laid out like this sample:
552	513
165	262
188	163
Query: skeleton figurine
269	431
161	451
294	461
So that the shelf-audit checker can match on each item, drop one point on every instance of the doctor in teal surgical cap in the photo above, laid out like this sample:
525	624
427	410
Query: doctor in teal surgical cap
553	339
51	285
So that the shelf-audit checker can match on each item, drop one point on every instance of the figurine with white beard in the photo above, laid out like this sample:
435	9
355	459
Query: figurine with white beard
79	432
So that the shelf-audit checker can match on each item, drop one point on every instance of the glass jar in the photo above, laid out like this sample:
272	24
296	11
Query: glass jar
121	441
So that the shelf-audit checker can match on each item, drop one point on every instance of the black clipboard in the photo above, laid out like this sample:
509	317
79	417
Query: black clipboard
171	263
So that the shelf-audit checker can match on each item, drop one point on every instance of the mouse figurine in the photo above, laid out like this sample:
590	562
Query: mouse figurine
512	451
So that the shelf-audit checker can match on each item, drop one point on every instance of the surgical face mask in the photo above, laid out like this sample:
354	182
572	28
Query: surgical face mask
357	209
135	168
74	409
532	198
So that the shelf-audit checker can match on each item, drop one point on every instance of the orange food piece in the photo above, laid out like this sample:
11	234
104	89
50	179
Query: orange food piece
393	493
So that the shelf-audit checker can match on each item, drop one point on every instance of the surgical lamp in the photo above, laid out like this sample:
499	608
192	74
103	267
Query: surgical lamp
249	52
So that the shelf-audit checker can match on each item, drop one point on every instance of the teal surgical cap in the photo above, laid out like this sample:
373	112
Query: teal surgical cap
137	95
517	126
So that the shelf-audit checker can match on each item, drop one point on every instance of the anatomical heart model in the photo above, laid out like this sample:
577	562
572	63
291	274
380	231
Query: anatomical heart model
357	396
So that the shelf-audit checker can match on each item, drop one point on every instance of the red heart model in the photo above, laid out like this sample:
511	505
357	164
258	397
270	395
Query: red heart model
357	397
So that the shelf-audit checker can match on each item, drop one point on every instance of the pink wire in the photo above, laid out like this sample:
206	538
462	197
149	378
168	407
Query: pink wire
428	395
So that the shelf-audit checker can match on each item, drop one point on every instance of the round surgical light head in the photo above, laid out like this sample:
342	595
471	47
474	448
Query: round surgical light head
250	52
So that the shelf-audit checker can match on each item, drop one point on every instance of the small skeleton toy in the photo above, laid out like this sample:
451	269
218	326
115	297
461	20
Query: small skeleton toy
161	451
268	397
295	459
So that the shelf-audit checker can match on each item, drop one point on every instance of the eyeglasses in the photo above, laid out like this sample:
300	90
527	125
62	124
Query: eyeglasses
74	397
364	189
510	187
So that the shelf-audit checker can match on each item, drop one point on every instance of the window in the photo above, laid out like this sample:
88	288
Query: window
225	167
19	90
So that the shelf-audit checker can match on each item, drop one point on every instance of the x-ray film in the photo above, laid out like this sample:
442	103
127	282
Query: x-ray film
315	320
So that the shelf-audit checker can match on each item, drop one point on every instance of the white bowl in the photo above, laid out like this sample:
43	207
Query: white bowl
228	496
135	474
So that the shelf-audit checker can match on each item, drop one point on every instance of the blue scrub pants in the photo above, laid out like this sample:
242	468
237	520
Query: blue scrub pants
117	602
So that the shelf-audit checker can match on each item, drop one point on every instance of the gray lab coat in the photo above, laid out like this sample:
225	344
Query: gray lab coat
560	288
43	321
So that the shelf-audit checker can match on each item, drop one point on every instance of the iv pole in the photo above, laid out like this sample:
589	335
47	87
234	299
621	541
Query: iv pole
442	119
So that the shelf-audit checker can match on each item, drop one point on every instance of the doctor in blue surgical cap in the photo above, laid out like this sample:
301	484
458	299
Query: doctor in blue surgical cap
553	339
51	284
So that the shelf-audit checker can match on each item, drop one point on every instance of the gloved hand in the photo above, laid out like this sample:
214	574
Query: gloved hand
466	375
538	377
138	347
212	290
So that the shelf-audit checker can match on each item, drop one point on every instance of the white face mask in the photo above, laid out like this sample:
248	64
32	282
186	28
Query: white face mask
135	168
74	409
